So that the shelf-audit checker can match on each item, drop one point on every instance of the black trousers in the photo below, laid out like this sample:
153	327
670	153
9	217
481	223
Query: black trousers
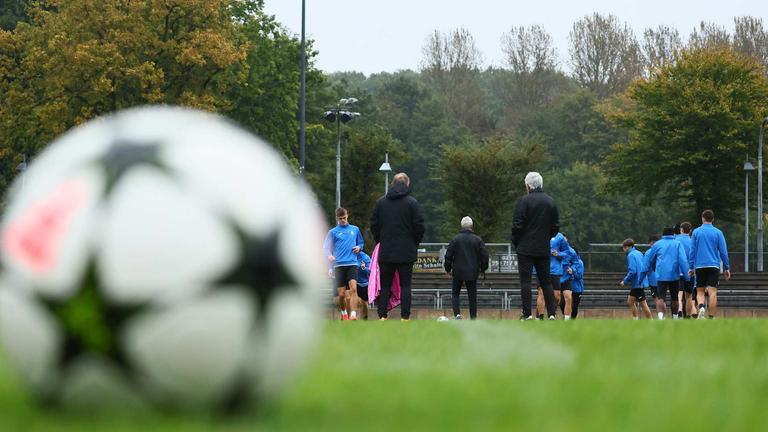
576	301
405	272
525	265
471	293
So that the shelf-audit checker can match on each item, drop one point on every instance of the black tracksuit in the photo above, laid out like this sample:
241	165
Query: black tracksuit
397	225
535	221
465	258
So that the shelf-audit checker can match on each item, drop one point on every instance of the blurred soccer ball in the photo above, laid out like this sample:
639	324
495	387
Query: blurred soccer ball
442	318
159	255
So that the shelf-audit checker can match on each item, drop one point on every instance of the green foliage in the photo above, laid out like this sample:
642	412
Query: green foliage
574	129
12	12
267	102
479	181
91	57
590	214
691	126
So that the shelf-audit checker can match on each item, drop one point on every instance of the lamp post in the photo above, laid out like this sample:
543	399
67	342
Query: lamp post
340	114
747	168
760	197
386	169
302	93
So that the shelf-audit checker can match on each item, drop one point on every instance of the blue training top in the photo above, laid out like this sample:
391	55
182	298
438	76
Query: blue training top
709	247
362	275
577	265
635	277
340	242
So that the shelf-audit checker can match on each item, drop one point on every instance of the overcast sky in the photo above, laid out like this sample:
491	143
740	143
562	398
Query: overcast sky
387	35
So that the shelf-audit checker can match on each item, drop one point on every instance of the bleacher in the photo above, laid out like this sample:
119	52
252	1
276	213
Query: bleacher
502	291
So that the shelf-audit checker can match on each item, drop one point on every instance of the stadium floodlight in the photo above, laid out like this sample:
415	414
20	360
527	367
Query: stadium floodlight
340	114
302	92
747	168
386	169
760	197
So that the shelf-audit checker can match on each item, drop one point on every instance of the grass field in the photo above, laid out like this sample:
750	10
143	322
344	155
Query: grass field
596	375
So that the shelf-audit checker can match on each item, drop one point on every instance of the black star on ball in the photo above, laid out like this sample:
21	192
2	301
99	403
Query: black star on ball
124	155
260	268
90	324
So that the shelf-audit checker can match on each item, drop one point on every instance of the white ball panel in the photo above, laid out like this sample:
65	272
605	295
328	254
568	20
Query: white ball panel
285	343
239	174
30	337
304	225
192	352
93	382
159	239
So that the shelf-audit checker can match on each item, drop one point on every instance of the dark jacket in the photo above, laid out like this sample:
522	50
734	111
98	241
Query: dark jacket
466	256
535	221
397	224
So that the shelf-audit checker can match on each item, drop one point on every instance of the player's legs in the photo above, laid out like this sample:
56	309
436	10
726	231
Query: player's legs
631	304
456	296
646	309
576	302
472	295
353	300
540	304
661	295
712	301
555	282
567	300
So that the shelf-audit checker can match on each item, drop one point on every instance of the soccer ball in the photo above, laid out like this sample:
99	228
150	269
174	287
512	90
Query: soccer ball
442	318
160	256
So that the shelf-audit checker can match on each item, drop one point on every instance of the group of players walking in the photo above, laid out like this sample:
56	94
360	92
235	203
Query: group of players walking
686	264
683	262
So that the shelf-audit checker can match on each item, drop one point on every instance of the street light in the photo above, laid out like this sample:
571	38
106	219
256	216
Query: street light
302	93
760	198
747	168
340	114
386	169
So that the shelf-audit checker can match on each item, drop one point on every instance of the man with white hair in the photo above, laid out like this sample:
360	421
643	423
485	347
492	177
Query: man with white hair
465	258
535	222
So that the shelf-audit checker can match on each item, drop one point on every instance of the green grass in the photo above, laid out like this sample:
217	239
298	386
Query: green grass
424	375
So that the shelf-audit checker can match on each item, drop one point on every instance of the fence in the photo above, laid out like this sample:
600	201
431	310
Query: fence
602	257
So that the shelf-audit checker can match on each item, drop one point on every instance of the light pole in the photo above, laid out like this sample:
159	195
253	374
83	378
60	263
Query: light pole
747	168
386	169
340	114
760	197
302	93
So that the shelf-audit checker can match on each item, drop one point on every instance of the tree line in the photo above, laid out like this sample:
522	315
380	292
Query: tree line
631	132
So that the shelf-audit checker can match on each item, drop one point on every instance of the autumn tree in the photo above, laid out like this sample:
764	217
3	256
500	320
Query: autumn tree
661	47
605	55
690	127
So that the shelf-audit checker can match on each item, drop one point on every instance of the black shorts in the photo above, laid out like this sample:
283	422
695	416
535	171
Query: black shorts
555	279
344	274
638	293
362	292
686	286
653	290
672	286
565	286
707	277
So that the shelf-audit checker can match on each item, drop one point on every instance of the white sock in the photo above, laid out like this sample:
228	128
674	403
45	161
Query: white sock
354	314
661	315
567	317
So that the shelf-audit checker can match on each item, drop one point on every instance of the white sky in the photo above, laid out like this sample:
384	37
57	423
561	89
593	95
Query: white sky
387	35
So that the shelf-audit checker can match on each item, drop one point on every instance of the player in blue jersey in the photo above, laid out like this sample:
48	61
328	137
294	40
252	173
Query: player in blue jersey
341	246
708	252
635	278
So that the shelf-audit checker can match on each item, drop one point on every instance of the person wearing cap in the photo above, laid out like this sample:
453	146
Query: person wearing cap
667	258
465	259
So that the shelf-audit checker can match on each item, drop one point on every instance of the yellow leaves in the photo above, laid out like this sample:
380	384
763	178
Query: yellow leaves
208	48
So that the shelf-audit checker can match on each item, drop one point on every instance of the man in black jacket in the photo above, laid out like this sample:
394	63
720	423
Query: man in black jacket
465	258
397	225
535	221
